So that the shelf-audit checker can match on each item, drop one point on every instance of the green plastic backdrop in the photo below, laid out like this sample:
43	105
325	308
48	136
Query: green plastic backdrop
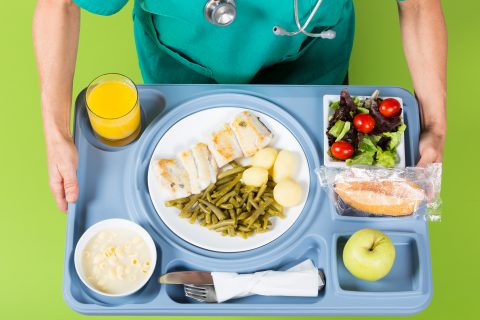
32	232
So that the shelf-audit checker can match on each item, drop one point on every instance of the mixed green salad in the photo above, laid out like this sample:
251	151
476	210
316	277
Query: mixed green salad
365	131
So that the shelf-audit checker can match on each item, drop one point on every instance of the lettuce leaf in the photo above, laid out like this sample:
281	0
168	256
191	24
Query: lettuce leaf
340	129
366	144
363	110
337	128
395	136
335	105
386	158
345	130
365	157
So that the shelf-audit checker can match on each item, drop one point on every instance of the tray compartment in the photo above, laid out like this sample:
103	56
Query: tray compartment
309	248
152	103
403	277
146	294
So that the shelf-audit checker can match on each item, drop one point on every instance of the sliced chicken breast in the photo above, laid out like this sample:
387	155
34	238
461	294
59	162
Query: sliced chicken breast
224	146
251	133
188	162
173	178
206	165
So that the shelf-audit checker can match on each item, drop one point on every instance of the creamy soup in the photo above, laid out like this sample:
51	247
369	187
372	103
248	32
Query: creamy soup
116	261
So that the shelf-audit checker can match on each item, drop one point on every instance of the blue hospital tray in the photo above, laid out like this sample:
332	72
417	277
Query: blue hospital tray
113	184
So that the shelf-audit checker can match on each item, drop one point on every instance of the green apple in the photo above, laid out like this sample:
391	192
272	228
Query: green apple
369	254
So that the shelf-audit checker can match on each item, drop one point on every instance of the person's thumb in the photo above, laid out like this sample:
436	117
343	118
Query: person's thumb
70	185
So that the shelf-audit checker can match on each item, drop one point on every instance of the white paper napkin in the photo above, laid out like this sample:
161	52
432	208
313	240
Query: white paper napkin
301	281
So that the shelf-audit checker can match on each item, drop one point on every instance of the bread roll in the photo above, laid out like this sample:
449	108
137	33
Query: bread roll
385	197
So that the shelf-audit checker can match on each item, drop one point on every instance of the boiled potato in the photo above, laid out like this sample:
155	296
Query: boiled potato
265	158
287	193
285	166
255	176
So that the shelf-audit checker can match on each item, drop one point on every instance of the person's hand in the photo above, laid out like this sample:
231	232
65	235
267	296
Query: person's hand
431	147
62	166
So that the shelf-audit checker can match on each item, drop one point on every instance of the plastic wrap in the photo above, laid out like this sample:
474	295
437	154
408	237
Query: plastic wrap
380	192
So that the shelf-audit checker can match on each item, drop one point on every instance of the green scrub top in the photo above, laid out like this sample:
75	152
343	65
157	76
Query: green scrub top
176	44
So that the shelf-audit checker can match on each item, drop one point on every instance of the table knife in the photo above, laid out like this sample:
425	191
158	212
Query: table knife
187	277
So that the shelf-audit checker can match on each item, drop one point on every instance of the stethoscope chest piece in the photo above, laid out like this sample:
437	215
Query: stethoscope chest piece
220	12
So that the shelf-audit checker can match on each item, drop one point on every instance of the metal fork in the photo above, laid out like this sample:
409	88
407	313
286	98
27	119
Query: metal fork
201	293
206	293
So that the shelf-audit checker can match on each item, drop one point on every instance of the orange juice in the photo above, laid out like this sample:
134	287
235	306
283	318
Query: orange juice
113	107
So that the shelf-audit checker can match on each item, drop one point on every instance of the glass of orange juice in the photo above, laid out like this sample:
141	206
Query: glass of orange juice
114	109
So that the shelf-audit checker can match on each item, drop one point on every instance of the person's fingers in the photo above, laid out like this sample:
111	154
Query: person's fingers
70	184
427	156
56	186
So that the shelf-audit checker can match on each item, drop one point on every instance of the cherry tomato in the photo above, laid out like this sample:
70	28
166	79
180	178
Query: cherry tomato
364	122
389	107
342	150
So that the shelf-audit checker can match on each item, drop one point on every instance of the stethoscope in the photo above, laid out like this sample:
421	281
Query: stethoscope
223	12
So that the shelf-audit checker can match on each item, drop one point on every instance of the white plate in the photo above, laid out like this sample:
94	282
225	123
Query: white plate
327	112
194	128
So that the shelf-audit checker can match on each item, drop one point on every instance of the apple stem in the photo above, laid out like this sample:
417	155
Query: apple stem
374	244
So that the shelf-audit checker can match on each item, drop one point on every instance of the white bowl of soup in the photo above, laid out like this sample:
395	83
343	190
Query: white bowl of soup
115	257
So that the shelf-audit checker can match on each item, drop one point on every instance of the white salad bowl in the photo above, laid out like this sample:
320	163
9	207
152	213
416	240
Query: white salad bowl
327	112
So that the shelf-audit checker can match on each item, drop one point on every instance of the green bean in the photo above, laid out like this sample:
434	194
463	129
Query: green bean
248	189
193	217
243	228
192	201
214	219
208	218
203	208
237	188
255	216
225	198
277	206
185	214
206	192
224	180
273	212
243	215
220	215
231	231
244	198
265	220
227	187
260	192
249	202
235	164
172	203
229	172
252	202
266	203
227	222
234	202
226	206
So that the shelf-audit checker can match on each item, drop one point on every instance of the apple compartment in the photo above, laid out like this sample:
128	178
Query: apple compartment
403	277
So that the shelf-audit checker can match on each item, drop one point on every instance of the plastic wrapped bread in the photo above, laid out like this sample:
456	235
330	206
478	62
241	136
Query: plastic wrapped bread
376	192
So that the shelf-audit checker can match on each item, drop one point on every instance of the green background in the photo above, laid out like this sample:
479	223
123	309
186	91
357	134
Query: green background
32	233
